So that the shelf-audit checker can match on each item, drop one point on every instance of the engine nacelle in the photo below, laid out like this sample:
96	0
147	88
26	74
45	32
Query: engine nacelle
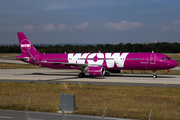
96	71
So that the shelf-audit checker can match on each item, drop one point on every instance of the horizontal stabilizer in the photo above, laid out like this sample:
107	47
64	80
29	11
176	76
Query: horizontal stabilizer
23	58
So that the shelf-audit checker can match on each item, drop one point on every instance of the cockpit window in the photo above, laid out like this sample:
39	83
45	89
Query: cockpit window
166	58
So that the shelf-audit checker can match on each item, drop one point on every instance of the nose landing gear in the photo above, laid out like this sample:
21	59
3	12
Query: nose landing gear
154	74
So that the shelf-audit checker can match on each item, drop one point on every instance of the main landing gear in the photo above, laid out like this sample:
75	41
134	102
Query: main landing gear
82	75
154	74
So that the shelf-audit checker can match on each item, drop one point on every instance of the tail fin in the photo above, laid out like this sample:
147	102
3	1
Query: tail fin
26	47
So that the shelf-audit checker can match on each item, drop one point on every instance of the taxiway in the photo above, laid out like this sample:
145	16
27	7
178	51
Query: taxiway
44	75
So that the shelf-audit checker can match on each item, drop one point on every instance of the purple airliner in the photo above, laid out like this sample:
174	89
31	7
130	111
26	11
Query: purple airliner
94	63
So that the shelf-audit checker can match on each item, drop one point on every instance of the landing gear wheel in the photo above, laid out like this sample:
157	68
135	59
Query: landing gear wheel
154	76
81	75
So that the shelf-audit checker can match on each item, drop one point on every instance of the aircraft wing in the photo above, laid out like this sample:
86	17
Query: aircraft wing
79	65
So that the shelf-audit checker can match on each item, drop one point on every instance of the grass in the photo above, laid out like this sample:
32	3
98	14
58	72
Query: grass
173	55
150	72
4	55
27	66
121	101
16	66
178	62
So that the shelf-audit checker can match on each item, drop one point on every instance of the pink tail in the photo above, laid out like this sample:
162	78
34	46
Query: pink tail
26	47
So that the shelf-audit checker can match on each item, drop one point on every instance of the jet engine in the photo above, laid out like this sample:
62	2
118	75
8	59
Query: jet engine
96	71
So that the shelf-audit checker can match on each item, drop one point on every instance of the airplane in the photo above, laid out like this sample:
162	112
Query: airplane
94	63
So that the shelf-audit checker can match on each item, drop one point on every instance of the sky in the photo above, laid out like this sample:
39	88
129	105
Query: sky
90	21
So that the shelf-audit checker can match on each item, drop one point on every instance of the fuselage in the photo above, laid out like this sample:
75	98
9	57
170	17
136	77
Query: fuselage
110	61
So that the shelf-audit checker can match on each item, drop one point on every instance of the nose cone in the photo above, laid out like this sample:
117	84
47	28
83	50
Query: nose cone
172	64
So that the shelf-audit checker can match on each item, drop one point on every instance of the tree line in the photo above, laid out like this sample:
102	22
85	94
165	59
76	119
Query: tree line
163	47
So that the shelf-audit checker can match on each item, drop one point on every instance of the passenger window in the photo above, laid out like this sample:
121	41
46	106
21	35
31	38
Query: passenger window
162	58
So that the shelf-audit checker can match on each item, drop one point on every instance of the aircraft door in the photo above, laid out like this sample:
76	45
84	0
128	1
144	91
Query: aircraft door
153	59
36	60
36	57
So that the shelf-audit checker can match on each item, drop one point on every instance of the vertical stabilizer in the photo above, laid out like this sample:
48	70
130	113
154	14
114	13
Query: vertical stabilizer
26	47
